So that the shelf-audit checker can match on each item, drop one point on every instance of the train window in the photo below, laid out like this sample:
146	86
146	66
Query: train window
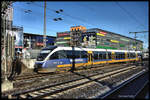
122	56
54	56
128	55
95	55
104	55
117	56
62	54
83	54
133	55
109	55
100	56
43	54
77	54
69	54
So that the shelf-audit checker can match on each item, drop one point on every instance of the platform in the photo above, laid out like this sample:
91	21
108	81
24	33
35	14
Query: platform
6	86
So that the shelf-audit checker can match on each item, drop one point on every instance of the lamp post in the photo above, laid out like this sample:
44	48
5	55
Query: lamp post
44	36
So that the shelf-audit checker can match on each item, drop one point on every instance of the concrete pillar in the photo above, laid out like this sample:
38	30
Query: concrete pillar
6	85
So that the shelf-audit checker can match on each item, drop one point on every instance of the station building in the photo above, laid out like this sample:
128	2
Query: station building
97	38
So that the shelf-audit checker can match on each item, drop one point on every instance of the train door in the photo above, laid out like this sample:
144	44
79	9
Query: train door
90	58
136	55
126	56
113	56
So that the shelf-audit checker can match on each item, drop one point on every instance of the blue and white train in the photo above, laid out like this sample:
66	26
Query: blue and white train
53	58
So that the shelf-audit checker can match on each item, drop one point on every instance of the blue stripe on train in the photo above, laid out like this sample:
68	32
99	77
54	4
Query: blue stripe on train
54	63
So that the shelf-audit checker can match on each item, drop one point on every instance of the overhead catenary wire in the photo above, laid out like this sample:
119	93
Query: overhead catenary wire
38	13
129	14
132	17
68	15
34	13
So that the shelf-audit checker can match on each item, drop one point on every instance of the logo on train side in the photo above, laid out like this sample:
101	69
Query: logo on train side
76	60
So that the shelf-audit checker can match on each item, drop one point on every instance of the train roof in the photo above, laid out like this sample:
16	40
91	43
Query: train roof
91	49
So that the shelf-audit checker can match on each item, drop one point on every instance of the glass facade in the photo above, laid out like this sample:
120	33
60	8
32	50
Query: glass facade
98	38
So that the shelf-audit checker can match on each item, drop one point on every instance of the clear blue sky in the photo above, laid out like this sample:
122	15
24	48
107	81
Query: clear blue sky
118	17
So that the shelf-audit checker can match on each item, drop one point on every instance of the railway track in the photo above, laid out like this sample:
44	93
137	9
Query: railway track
36	75
38	78
129	89
78	81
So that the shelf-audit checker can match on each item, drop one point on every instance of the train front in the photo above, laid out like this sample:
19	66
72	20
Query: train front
41	61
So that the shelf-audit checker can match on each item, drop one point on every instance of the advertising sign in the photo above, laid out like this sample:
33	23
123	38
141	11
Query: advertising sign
100	34
115	41
19	38
62	34
88	39
67	37
103	32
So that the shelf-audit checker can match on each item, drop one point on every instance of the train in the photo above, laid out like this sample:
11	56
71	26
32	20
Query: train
55	58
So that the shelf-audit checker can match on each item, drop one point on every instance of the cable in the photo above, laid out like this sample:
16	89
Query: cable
22	9
65	14
133	17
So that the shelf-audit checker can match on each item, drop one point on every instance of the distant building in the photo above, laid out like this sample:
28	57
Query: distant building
35	41
96	38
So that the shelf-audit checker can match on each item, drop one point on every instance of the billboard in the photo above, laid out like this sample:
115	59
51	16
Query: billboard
88	39
19	38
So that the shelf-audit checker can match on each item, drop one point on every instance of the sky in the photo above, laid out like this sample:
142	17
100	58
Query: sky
118	17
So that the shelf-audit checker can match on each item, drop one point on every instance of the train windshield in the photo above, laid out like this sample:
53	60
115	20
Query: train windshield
43	54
